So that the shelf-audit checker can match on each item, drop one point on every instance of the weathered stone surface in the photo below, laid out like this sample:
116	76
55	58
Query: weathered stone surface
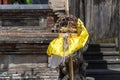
37	6
101	17
26	59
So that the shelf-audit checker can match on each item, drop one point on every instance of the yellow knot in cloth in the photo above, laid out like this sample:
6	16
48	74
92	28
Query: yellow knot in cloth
76	41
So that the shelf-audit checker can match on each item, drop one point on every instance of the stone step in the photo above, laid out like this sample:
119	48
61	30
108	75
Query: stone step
23	13
42	50
103	64
106	77
23	49
101	55
42	72
7	60
104	74
24	40
103	71
22	53
27	37
102	47
24	7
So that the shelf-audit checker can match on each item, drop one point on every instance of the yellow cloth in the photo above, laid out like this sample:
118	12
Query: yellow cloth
76	42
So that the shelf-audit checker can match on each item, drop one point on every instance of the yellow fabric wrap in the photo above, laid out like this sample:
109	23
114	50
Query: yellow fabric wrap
76	42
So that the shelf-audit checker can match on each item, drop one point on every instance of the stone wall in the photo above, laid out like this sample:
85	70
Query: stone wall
101	17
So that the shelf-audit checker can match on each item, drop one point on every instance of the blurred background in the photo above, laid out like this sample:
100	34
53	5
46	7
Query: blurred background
101	17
